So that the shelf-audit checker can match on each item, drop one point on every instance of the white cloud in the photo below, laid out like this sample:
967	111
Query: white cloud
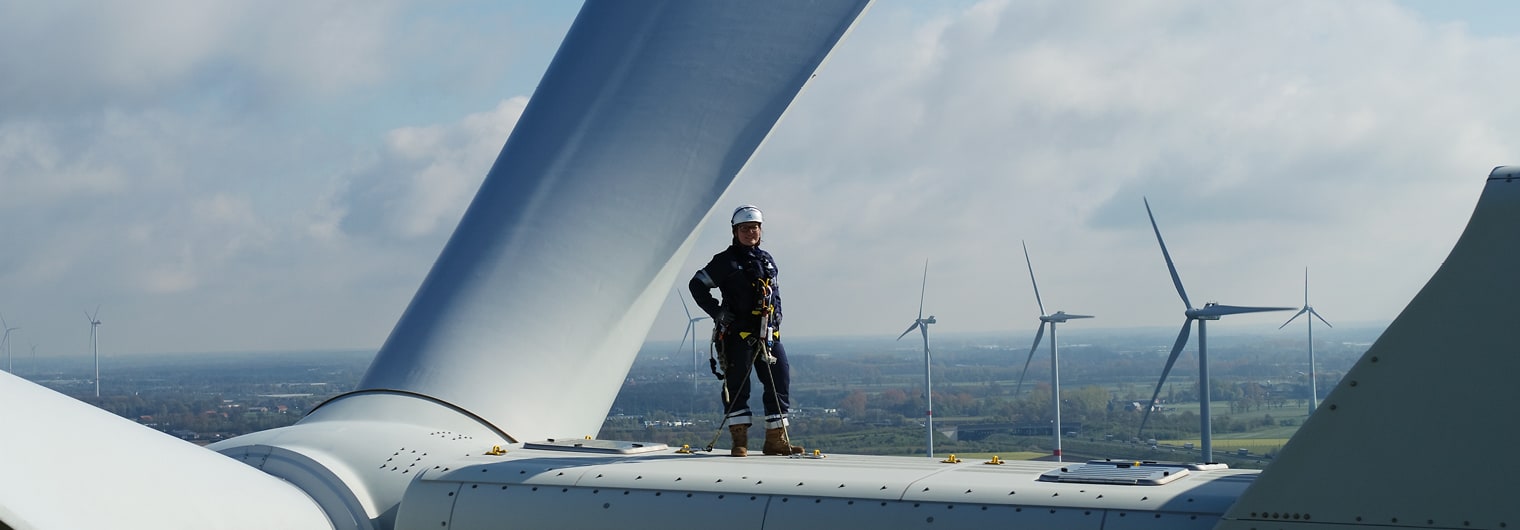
423	180
199	168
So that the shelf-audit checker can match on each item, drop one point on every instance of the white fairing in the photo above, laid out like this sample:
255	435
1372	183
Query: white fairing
534	310
545	490
65	464
1418	433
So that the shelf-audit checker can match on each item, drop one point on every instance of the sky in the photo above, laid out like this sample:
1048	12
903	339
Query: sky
254	176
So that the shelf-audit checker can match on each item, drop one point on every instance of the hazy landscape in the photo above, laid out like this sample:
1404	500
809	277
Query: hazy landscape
850	394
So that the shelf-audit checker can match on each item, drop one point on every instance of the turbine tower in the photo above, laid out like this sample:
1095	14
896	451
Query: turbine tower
95	344
1313	377
1209	311
691	331
5	342
922	325
1055	368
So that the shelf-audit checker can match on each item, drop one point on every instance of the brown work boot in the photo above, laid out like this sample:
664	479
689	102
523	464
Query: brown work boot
776	443
740	434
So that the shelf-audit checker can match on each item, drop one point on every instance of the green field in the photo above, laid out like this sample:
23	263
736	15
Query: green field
1257	446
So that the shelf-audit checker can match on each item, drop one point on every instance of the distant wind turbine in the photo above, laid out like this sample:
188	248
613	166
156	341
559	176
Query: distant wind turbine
5	343
691	331
95	344
922	325
1055	367
1313	377
1209	311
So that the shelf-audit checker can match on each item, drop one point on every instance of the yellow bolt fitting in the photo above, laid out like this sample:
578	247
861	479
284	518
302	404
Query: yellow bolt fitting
995	461
951	460
496	450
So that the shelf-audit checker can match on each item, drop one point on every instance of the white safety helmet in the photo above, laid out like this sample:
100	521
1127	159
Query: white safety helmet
748	213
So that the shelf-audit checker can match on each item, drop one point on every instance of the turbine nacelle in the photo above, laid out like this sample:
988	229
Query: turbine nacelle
1213	310
1061	316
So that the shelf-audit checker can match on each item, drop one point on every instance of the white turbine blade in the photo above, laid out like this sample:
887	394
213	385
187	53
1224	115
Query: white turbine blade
1224	310
54	477
1038	334
1069	317
1176	280
683	304
689	329
1031	280
923	289
1292	318
1321	319
1306	287
673	99
1182	338
910	330
2	322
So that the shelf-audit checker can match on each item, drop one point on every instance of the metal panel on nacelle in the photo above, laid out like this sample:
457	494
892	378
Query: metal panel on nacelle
565	489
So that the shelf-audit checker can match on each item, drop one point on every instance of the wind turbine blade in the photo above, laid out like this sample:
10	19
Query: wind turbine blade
922	289
1306	287
89	318
910	330
1222	310
1295	315
1032	282
1182	338
1176	280
2	322
1316	315
689	326
1078	316
683	304
1040	333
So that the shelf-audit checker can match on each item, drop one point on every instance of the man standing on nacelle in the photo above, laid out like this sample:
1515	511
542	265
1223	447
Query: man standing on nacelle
748	332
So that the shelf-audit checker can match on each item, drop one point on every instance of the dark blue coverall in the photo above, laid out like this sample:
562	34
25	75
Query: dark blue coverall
741	275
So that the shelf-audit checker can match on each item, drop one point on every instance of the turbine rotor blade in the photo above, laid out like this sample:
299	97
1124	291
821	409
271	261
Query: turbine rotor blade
1031	280
1295	315
1040	333
1316	315
689	328
1306	287
683	304
1182	338
910	330
922	289
1176	280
